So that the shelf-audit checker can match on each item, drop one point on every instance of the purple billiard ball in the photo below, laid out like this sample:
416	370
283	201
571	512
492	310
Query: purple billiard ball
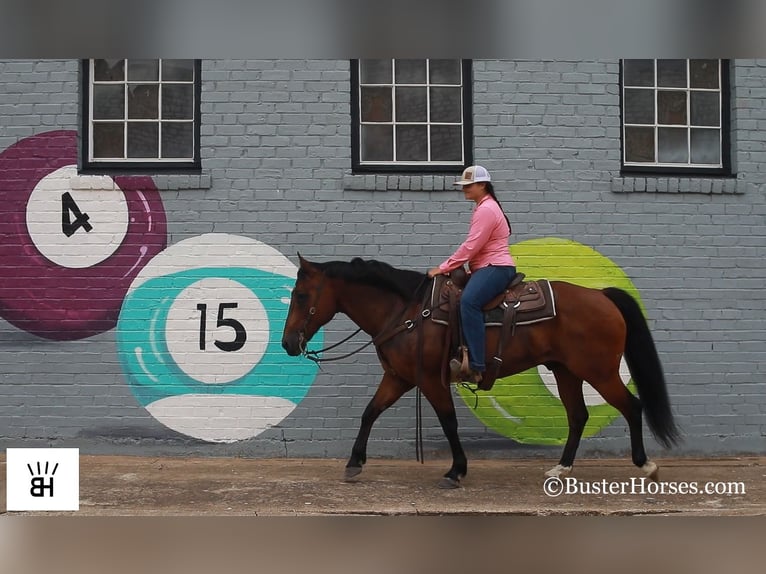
70	244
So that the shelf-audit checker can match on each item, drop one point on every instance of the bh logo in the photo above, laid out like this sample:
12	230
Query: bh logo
43	479
39	485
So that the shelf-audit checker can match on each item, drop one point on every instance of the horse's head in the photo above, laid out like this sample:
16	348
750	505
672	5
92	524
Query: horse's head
312	304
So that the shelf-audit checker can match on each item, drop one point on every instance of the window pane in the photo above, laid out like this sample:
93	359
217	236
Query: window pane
143	139
108	140
445	105
672	145
639	144
109	70
376	105
411	105
638	73
177	101
705	109
109	102
410	71
446	143
639	106
671	107
411	143
178	140
143	101
704	73
377	143
143	70
706	146
178	70
376	71
444	71
671	73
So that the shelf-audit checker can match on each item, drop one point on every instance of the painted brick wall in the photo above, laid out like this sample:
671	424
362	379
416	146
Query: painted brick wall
275	142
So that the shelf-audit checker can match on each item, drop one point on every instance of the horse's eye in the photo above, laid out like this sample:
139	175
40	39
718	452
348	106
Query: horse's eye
301	298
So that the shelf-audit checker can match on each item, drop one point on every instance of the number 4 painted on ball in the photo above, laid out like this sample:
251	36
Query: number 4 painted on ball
240	334
69	208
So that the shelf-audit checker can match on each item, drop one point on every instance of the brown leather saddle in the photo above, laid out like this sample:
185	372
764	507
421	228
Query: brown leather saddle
522	303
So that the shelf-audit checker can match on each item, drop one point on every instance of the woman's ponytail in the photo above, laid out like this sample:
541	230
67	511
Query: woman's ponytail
491	191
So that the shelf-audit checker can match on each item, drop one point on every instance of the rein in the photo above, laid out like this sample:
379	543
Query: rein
386	334
314	355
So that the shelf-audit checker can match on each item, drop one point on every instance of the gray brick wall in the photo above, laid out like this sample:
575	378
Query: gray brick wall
275	143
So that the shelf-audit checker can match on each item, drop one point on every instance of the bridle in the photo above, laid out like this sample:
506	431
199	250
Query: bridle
388	332
312	311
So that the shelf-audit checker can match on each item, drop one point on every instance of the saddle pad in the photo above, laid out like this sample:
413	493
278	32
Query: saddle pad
440	295
541	311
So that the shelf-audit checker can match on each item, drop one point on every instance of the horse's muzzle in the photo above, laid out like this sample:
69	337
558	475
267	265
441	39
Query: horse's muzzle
294	343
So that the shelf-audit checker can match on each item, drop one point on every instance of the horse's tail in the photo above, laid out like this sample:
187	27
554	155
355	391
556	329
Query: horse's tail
645	368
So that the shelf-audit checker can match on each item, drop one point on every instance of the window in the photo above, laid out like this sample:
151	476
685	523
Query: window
411	115
675	116
141	114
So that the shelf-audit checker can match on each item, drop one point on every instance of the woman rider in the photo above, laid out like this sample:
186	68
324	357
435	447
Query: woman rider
492	267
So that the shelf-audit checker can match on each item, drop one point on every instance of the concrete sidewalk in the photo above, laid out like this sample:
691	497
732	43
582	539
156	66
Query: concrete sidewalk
151	486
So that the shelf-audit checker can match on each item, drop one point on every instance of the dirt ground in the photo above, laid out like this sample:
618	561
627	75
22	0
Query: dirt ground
138	486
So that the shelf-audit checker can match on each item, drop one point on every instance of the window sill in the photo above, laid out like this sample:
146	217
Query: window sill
399	182
163	182
682	184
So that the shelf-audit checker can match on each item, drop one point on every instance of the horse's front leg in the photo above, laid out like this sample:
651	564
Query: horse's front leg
389	391
441	400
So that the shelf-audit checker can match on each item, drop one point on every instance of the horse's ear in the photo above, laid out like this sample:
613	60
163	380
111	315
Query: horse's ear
305	264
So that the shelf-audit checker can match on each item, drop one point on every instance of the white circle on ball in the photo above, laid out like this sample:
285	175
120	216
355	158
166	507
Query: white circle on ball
76	228
217	330
591	396
221	418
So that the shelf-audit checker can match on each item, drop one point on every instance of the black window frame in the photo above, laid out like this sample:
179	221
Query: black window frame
726	165
403	167
137	166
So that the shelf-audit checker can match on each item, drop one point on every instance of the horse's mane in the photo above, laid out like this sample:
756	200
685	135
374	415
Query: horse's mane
409	285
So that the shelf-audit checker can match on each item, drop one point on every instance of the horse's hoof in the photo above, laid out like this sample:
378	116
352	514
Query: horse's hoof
351	473
651	470
447	482
558	471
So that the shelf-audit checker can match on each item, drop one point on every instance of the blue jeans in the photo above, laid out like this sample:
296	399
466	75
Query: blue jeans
485	284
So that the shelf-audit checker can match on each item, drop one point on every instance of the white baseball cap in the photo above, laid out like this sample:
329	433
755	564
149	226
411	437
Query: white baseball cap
473	174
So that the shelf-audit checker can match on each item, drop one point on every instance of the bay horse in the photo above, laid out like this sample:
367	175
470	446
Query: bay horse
585	341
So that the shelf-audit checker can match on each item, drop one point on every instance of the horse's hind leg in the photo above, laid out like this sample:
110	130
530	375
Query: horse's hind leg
617	394
570	391
389	391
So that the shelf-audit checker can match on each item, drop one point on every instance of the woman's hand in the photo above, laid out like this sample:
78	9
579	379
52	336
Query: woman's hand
434	272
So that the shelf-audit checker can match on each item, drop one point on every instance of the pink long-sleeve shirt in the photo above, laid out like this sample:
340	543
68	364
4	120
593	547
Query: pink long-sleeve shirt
487	241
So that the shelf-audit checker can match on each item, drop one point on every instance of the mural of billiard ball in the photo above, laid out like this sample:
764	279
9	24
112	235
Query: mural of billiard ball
526	406
199	338
70	245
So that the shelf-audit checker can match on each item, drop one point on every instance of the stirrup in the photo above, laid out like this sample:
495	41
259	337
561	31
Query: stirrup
460	374
455	375
474	377
459	367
